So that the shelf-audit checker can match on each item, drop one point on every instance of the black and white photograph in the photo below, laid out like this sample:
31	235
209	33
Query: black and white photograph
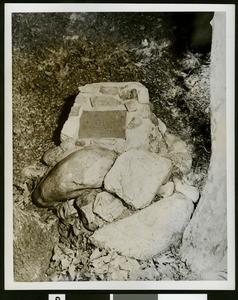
119	136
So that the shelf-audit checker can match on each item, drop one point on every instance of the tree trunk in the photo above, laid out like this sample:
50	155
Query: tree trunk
204	244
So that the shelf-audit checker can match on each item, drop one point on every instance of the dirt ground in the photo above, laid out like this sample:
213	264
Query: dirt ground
53	54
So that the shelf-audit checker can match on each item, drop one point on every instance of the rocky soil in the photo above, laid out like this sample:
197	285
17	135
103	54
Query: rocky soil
53	54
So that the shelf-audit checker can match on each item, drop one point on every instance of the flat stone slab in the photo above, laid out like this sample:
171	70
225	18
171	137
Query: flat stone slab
136	176
149	231
102	124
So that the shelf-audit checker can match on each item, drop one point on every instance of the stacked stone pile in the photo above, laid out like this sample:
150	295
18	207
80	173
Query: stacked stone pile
131	189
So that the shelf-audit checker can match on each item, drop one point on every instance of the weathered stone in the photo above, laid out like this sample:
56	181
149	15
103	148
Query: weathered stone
110	90
131	105
129	93
166	190
136	176
149	231
162	126
84	203
154	119
75	111
145	112
189	191
82	169
107	206
182	161
135	90
134	123
104	100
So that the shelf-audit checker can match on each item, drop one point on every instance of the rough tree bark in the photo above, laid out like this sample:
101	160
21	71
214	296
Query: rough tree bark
204	244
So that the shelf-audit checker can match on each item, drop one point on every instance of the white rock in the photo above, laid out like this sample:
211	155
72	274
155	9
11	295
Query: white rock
136	176
189	191
166	190
149	231
107	206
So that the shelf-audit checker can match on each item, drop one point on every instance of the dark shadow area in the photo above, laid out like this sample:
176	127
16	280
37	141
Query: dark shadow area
192	31
68	103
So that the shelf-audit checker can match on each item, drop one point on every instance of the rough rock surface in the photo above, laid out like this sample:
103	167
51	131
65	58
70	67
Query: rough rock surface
107	206
82	169
204	244
33	243
149	231
136	176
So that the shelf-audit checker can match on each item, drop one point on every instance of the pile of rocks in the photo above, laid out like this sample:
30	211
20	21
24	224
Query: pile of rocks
129	184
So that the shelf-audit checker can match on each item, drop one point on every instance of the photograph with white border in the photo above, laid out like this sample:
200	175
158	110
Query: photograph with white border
119	146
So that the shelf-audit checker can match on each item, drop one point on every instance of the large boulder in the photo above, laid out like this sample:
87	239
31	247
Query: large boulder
85	168
136	176
149	231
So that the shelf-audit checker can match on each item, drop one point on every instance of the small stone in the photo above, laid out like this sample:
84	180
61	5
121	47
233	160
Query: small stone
166	190
105	100
88	217
145	112
162	127
75	111
131	105
85	168
143	95
80	99
107	206
189	191
129	93
134	123
136	176
154	119
109	90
